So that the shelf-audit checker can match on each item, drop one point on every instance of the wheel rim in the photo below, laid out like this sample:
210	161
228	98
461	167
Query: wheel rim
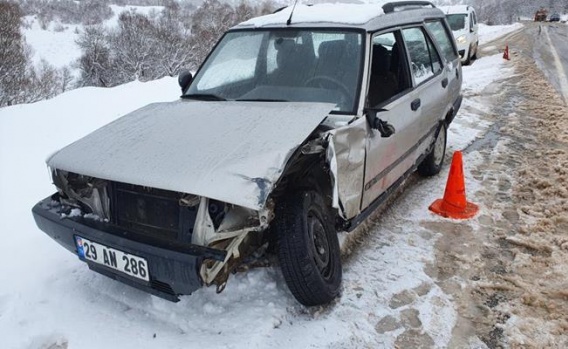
320	245
440	146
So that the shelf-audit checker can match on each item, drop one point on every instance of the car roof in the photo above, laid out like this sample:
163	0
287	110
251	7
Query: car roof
456	9
369	17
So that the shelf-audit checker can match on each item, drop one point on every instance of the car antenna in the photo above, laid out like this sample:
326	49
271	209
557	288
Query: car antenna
291	13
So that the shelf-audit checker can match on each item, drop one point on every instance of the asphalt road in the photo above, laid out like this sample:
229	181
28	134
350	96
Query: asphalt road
551	53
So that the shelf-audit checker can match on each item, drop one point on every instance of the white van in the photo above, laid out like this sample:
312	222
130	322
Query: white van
463	22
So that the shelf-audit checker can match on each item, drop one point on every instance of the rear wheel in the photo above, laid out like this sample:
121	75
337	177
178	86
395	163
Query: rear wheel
432	163
308	248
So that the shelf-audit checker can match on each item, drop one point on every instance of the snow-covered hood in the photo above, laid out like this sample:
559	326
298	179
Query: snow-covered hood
229	151
458	33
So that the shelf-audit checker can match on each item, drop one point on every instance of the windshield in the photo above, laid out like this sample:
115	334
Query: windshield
456	21
283	65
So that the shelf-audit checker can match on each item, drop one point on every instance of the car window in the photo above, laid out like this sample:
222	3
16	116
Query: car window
424	59
388	77
456	21
470	21
474	18
237	61
443	38
306	65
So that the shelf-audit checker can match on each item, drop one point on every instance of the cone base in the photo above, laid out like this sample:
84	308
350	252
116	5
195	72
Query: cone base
439	207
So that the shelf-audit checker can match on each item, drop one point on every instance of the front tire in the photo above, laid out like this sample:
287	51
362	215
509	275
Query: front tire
474	56
432	163
308	248
468	56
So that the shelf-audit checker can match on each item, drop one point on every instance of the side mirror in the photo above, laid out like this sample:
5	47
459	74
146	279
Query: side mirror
184	79
385	129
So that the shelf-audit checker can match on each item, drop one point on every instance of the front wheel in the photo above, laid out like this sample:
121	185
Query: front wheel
468	56
432	163
308	248
474	56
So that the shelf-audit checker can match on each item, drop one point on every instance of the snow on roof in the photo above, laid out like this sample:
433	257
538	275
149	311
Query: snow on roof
454	9
322	13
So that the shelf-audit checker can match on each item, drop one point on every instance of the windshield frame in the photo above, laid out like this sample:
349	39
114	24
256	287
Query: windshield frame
360	31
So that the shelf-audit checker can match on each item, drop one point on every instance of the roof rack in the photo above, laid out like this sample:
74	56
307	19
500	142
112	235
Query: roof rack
405	5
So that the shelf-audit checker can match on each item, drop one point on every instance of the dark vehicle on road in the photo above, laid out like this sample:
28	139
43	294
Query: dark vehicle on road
554	17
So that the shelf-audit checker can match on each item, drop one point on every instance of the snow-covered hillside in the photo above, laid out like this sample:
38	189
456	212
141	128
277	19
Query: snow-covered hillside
56	44
49	299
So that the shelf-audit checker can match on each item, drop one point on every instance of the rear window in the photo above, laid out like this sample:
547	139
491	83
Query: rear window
424	59
443	38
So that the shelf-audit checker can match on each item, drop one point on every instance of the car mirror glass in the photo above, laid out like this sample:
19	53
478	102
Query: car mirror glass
184	79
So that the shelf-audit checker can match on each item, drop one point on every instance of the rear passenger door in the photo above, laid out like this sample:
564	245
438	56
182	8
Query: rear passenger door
430	85
444	40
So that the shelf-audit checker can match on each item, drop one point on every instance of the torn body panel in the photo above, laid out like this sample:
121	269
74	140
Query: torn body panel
232	230
233	235
346	158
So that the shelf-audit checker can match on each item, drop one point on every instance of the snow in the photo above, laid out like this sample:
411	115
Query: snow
56	44
49	298
476	78
489	33
58	48
329	13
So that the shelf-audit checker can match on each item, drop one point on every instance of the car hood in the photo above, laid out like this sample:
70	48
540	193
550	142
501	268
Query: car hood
229	151
458	33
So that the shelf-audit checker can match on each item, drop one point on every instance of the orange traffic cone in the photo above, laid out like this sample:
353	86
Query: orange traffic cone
454	203
506	53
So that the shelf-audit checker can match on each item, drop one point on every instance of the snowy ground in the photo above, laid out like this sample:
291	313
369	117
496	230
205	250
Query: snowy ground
48	296
56	44
489	33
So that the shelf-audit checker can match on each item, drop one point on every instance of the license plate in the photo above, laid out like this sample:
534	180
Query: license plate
126	263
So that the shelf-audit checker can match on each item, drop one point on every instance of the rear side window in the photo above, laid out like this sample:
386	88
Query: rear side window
443	38
424	59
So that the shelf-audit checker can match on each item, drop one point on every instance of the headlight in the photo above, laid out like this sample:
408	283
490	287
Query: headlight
461	39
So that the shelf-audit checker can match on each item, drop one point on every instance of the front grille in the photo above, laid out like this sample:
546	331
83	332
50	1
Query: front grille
146	211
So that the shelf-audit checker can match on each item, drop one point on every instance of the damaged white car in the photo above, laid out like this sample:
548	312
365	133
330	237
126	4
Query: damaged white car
297	126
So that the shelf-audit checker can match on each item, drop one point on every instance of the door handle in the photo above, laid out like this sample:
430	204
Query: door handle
415	104
445	83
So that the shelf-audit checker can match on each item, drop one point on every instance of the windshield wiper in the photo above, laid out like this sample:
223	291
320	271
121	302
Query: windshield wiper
261	100
204	97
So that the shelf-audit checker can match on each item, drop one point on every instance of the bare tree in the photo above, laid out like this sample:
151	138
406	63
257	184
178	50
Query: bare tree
94	64
132	47
14	54
173	48
147	47
66	78
209	22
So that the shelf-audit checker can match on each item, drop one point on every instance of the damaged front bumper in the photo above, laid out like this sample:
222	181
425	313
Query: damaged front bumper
173	267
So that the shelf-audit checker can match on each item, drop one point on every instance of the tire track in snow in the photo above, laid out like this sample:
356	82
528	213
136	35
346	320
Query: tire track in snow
562	78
